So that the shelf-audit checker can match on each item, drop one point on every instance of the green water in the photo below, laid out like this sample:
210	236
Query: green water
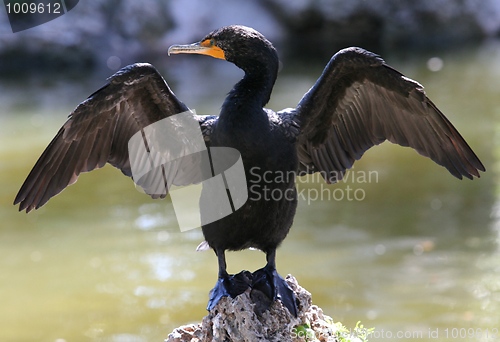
415	252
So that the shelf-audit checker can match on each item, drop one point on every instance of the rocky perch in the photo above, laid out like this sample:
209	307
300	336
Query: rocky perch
243	319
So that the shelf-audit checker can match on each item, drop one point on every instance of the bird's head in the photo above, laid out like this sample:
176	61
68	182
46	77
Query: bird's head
240	45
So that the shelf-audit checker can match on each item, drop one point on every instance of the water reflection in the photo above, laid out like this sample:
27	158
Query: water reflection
104	262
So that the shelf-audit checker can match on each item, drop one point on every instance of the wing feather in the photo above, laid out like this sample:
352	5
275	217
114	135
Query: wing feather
359	102
98	131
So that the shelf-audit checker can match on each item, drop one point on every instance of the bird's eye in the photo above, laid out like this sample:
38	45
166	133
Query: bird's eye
212	42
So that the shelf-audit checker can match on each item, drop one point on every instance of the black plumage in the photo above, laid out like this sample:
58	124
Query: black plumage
358	102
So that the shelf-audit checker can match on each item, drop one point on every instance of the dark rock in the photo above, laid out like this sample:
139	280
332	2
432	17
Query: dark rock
130	31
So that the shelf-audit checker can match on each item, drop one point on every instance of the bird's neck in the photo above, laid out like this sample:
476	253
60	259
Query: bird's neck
247	98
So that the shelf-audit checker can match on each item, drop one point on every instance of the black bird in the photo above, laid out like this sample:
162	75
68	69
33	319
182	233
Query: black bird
358	102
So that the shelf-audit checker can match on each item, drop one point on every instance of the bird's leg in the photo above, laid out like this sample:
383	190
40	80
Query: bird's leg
268	281
227	285
220	289
221	258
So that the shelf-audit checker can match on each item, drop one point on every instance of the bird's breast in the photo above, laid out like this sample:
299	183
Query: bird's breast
270	164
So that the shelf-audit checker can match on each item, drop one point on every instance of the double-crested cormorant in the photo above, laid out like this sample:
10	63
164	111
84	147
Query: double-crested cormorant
358	102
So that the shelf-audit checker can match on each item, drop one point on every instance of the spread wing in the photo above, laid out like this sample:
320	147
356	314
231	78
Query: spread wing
98	132
358	102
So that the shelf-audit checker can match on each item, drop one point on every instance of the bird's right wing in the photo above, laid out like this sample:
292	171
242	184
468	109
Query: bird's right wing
358	102
98	131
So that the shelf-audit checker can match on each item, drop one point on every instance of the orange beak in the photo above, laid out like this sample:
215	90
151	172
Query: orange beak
205	47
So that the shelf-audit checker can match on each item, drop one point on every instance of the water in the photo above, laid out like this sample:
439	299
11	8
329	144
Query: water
412	252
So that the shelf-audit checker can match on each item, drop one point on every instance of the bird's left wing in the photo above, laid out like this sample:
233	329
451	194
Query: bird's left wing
98	132
358	102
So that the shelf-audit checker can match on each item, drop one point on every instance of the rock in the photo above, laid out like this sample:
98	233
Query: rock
326	26
240	319
130	31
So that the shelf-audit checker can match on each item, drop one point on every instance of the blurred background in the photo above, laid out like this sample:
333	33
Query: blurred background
416	251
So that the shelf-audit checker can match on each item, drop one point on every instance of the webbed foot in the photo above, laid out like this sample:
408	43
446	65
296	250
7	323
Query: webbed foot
268	281
229	286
